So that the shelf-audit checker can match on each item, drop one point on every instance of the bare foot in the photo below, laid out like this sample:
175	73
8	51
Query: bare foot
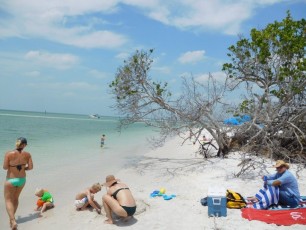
108	221
13	224
249	206
252	199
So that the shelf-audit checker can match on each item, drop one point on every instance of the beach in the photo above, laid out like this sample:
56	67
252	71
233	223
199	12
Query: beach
66	153
177	169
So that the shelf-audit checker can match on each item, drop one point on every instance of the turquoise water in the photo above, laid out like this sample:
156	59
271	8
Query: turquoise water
66	152
69	137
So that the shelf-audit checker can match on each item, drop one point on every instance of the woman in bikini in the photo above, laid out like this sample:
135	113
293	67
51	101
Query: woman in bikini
118	199
16	162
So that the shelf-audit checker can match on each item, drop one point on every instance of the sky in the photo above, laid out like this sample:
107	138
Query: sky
61	55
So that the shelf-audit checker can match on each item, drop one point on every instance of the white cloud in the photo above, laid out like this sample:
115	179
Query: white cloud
192	56
142	3
87	39
162	69
98	74
60	21
186	74
221	15
122	55
218	76
55	60
74	23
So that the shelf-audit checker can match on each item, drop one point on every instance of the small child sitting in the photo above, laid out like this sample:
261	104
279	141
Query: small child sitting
45	200
86	199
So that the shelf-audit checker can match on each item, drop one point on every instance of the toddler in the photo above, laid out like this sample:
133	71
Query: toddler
45	200
86	198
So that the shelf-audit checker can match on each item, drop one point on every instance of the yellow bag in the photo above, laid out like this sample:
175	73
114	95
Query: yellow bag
234	200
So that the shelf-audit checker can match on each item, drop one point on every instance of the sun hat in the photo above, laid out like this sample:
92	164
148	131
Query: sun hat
109	180
280	163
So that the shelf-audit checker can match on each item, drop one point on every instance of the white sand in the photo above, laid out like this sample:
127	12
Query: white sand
180	172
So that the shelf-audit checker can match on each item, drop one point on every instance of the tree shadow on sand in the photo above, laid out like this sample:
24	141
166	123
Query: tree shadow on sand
171	167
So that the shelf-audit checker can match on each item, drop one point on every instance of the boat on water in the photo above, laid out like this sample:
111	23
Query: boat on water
96	116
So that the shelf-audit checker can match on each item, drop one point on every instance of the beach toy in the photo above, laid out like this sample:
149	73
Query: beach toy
162	191
154	193
40	202
168	197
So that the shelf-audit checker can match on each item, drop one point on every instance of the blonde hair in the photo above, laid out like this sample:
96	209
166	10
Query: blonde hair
20	141
39	192
96	187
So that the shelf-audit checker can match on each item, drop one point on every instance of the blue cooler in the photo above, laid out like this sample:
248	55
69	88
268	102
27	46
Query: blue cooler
216	200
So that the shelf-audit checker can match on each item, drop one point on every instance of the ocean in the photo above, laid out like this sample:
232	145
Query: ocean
61	139
66	150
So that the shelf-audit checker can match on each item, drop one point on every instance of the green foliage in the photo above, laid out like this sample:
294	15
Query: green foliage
274	56
271	64
132	81
246	107
159	88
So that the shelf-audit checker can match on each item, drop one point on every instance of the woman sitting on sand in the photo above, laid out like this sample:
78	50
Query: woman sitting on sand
86	199
118	199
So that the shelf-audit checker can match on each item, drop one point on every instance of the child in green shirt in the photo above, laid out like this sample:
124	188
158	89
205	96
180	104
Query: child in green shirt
45	200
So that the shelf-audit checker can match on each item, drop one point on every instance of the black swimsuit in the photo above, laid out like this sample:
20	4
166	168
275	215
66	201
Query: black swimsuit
129	210
19	167
116	192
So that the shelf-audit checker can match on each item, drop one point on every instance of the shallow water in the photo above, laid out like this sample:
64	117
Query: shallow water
66	152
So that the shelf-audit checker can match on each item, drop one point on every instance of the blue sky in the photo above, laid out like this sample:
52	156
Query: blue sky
61	55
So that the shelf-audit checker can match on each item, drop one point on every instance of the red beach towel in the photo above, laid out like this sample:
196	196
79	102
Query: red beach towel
279	217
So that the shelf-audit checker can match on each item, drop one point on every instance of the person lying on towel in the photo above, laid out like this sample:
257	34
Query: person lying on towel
279	188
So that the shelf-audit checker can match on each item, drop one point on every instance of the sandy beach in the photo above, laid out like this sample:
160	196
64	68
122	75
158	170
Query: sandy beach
181	172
